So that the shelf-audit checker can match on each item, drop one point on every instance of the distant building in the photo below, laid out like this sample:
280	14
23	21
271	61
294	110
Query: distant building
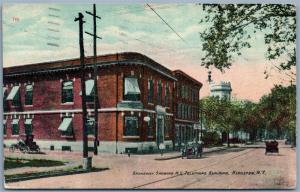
221	90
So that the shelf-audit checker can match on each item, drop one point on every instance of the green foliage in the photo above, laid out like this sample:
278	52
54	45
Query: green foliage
279	108
211	139
233	25
10	163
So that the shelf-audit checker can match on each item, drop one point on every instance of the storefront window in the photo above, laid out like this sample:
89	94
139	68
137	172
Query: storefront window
131	126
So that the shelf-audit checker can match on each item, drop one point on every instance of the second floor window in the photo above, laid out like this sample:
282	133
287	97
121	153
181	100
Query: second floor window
67	92
28	94
150	91
167	96
14	96
131	89
159	93
89	90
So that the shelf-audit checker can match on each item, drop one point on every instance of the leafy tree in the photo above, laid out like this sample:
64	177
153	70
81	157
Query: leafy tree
233	25
221	115
279	110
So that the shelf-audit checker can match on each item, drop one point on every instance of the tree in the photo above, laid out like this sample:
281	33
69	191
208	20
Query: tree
279	110
221	115
233	25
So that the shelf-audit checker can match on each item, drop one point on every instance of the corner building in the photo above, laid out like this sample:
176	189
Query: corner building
136	103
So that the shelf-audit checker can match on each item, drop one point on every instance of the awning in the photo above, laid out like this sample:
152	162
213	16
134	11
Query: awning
4	90
28	121
131	86
13	93
15	121
89	86
65	124
29	87
68	85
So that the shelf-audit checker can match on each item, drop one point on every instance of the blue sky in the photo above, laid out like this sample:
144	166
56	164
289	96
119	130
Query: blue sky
129	27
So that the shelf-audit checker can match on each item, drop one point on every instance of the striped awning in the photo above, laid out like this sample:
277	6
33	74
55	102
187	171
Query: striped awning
65	124
13	93
89	86
28	121
15	121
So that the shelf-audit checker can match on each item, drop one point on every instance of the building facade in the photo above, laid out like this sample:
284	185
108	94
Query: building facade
136	103
186	111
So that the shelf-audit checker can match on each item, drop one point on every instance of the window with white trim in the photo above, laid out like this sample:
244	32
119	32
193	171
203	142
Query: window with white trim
28	94
131	89
67	92
131	126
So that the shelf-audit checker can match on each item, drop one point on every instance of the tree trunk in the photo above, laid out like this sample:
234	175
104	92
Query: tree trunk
228	144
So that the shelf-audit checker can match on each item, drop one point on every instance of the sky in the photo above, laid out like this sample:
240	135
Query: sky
35	33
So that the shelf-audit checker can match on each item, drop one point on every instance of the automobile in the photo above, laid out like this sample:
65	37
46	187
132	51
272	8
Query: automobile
192	150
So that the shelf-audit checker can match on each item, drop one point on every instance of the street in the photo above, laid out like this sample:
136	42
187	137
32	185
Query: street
235	168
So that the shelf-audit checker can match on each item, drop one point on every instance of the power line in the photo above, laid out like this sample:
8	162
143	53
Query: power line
167	23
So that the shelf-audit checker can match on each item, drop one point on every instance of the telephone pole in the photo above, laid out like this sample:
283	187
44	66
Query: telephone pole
87	162
96	100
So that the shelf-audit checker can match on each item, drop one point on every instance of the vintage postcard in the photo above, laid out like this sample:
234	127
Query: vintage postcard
149	96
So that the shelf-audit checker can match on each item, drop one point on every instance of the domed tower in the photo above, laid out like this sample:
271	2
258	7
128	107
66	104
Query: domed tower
221	90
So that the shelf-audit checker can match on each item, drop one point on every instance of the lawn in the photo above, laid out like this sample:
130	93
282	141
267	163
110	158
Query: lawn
11	163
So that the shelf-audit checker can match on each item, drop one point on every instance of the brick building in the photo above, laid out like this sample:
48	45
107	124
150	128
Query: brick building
136	103
186	110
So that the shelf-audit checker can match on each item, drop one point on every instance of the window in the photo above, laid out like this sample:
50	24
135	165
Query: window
131	126
90	126
5	106
28	126
159	93
150	125
28	94
178	110
167	95
150	91
14	96
167	127
66	126
131	89
15	127
4	126
67	92
89	90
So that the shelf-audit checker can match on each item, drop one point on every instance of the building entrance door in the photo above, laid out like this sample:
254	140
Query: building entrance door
160	129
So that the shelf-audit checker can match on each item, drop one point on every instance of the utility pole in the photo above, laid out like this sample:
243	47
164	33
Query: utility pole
87	162
96	100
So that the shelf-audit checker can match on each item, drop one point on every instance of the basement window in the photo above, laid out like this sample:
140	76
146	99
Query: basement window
131	89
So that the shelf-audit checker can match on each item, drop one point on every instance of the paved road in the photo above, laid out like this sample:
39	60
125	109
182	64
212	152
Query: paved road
230	169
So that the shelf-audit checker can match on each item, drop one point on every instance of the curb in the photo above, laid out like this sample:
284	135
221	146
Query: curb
62	173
